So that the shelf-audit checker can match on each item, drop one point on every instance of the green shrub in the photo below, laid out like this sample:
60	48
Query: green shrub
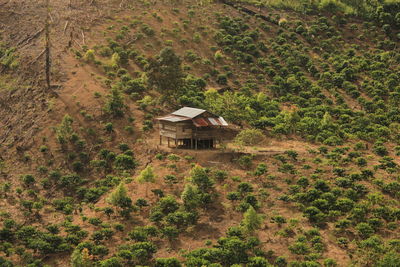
125	162
250	137
245	161
89	56
364	230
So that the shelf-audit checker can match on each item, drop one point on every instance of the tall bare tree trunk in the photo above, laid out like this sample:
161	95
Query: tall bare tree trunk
47	30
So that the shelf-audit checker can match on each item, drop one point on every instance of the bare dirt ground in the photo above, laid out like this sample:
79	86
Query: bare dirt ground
23	110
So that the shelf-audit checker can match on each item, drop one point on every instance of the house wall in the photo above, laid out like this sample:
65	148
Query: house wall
186	130
179	130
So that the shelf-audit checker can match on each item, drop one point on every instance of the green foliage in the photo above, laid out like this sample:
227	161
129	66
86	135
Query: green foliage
8	57
170	179
115	60
364	230
236	108
120	198
115	103
191	197
201	178
28	179
167	205
261	169
125	162
64	131
390	259
245	161
146	175
167	262
81	258
251	220
250	137
89	56
332	6
170	232
165	72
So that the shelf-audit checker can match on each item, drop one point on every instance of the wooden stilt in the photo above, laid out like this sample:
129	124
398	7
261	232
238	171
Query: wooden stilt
191	143
176	143
195	143
160	139
168	141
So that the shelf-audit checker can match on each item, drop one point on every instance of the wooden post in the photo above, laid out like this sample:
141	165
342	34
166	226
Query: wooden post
168	141
176	135
160	139
195	140
191	142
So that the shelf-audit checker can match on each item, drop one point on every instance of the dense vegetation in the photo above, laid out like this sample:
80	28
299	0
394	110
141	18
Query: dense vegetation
325	73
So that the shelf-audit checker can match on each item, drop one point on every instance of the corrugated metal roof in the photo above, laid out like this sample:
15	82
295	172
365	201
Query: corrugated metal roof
189	112
199	122
202	122
223	121
173	118
213	121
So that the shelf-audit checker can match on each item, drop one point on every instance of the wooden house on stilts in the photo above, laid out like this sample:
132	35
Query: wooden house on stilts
192	128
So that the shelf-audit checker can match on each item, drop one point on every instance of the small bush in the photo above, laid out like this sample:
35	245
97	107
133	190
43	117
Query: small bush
250	137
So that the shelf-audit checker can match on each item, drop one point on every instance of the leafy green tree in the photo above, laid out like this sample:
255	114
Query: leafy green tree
170	179
181	219
125	162
108	211
390	259
90	56
299	248
170	232
167	262
330	263
281	261
165	71
146	176
81	258
120	198
261	169
28	179
245	161
70	181
190	197
250	137
142	234
201	179
115	103
258	262
119	195
364	229
229	105
314	215
251	220
64	131
111	262
167	204
5	263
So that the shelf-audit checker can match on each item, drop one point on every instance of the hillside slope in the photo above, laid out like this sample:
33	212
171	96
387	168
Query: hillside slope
85	183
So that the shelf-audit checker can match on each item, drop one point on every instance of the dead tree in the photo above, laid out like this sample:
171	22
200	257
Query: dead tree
47	41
